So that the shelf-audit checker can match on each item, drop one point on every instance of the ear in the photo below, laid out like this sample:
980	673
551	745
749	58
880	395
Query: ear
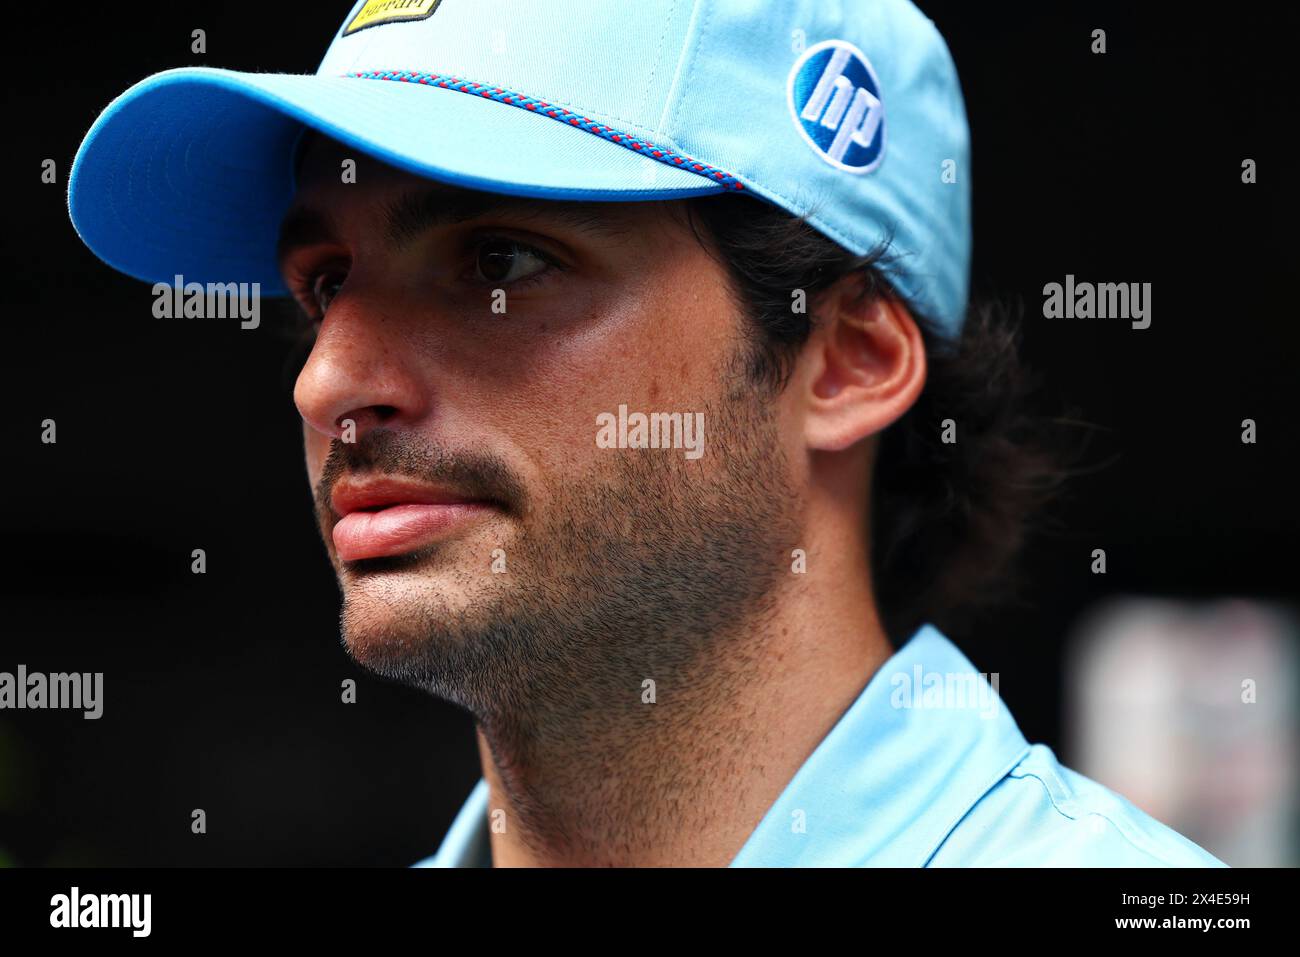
865	366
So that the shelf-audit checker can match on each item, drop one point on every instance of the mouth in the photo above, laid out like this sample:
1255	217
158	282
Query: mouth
381	517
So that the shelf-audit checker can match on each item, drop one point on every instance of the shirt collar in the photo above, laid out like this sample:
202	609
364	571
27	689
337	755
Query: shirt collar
467	843
927	737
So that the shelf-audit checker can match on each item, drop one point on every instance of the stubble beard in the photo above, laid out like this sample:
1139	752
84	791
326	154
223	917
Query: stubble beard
657	569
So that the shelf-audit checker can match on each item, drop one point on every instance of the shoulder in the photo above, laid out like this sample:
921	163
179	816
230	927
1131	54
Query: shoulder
1043	814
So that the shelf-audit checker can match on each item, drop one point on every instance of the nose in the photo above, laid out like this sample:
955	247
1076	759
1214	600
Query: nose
361	368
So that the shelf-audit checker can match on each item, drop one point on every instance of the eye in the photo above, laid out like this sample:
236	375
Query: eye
324	287
501	261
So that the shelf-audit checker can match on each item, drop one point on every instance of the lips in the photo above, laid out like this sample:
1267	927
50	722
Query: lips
386	517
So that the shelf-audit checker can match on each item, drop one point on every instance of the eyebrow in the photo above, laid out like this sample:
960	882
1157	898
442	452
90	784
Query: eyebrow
302	226
422	209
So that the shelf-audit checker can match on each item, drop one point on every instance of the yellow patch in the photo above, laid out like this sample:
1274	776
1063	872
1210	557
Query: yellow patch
375	12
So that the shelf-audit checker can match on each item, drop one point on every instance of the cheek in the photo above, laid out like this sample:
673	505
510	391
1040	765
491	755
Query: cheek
657	342
656	354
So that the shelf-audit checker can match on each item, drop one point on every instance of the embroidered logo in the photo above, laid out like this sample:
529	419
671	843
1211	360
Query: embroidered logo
375	12
835	101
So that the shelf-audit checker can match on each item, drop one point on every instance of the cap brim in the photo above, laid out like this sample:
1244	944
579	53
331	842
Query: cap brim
190	171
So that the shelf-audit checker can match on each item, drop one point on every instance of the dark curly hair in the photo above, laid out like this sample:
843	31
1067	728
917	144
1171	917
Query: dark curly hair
947	519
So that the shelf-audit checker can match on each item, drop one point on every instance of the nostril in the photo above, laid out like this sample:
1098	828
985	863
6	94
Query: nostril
384	412
363	420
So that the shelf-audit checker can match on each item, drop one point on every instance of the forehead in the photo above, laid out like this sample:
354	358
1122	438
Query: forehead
320	161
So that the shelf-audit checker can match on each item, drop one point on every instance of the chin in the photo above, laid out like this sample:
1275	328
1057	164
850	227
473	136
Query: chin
403	608
382	635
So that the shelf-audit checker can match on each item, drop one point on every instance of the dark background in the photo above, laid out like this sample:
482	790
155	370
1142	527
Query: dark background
222	691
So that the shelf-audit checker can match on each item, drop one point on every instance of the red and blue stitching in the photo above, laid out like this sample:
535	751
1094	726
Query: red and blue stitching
542	108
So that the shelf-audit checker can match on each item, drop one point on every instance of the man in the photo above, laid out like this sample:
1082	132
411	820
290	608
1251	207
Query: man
636	354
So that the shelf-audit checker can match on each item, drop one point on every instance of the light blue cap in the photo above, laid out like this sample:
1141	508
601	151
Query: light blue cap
848	112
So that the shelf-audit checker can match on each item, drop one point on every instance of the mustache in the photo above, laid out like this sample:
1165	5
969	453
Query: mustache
401	454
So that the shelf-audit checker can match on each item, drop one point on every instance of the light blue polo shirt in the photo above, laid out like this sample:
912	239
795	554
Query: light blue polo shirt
927	768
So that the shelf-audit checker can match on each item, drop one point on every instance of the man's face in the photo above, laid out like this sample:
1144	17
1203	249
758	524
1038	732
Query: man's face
485	543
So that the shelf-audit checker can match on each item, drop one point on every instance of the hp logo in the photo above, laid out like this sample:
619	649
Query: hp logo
835	101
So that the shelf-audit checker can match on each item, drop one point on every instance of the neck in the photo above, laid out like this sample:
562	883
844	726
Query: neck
679	773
